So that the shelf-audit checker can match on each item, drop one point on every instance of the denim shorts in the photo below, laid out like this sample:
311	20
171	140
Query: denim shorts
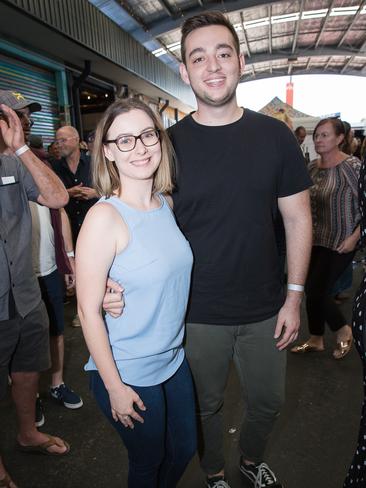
24	344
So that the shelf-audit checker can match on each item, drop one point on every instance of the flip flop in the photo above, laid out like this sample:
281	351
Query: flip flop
5	482
342	349
305	348
43	448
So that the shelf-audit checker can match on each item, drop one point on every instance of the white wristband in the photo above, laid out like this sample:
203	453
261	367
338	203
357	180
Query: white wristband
21	150
70	254
293	287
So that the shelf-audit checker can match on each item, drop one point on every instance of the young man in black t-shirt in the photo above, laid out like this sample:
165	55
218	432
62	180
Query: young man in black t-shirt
230	188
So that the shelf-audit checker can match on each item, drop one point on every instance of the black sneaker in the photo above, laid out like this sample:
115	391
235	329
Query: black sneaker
66	396
260	475
217	482
40	420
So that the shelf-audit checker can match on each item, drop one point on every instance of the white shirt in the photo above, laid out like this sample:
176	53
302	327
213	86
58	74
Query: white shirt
43	241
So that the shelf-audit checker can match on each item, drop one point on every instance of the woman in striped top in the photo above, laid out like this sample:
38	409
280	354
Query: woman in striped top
335	235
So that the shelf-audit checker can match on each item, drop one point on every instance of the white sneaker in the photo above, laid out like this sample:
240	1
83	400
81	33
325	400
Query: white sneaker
217	482
260	475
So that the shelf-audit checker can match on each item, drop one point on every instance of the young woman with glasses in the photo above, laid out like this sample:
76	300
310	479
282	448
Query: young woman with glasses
138	371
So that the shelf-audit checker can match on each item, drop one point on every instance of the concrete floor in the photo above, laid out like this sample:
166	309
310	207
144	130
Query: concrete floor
311	446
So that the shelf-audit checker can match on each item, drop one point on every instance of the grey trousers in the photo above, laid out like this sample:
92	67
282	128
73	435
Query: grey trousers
261	368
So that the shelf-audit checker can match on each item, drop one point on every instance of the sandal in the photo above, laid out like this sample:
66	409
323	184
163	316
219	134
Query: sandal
44	447
306	347
342	349
6	482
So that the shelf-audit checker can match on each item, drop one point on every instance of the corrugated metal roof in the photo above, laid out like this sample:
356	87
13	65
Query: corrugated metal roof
302	36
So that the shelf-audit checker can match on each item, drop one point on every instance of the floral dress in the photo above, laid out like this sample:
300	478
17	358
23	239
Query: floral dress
356	477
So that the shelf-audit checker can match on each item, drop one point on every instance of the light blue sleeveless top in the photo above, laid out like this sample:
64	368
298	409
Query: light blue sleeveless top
154	270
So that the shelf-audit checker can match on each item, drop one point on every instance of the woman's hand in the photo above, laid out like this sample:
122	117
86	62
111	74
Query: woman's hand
122	406
349	244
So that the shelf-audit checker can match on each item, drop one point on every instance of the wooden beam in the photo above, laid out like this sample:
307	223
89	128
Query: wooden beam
167	7
297	28
245	35
347	65
270	29
352	23
324	24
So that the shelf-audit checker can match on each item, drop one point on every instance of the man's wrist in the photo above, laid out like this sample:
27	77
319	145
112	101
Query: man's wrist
295	287
21	150
294	298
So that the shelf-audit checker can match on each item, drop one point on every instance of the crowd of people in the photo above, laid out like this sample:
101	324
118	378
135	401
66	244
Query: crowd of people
185	222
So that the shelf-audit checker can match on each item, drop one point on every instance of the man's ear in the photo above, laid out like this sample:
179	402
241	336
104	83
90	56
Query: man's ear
184	73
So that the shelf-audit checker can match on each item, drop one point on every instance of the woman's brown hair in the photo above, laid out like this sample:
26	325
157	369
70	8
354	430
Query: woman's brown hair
337	125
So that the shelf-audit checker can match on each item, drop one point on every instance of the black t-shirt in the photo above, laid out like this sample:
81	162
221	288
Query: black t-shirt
228	181
76	208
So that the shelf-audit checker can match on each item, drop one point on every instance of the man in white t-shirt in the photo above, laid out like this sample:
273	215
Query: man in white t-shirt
50	282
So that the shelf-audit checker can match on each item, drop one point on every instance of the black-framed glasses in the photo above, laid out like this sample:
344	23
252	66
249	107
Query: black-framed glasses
128	143
25	117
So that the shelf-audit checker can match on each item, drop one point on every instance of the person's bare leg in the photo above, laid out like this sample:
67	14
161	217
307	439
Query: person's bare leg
57	359
344	333
344	342
24	391
4	474
317	341
220	473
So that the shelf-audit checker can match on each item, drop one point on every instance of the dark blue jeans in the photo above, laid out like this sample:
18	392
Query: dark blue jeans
160	449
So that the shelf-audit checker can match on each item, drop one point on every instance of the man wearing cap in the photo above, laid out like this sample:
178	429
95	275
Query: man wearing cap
24	341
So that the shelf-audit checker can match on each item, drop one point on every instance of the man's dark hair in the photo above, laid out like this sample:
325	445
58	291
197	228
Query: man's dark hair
35	141
206	19
298	129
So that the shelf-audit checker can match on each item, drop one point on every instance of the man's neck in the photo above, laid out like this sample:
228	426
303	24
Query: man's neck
73	161
224	115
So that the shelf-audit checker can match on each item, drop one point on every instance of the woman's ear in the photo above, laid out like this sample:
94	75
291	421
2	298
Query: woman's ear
341	139
108	153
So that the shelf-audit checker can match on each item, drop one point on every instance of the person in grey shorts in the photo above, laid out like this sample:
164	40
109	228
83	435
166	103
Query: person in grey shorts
24	340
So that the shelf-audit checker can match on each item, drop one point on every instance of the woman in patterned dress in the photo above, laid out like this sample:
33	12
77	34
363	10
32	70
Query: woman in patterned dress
334	203
356	477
